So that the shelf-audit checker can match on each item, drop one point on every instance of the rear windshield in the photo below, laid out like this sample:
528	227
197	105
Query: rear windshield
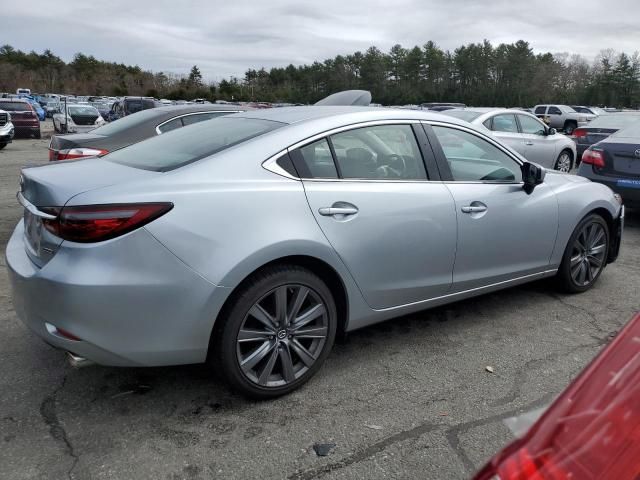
179	147
15	106
82	110
632	131
125	123
615	120
466	115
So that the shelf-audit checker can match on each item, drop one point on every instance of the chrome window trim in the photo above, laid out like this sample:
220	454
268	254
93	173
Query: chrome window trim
158	132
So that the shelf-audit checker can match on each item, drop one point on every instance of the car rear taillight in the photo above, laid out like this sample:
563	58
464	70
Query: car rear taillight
95	223
591	431
579	133
72	153
593	157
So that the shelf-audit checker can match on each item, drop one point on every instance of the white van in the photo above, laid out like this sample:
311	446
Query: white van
23	91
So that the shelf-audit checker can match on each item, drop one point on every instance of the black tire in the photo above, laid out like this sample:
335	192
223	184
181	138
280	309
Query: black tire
2	145
569	127
226	349
55	128
561	162
37	135
565	278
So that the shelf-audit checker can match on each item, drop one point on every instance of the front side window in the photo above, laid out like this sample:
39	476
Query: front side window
531	125
473	159
554	111
505	123
540	110
379	152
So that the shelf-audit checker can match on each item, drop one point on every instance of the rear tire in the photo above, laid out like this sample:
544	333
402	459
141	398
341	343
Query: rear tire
564	162
2	145
569	127
276	332
585	255
37	135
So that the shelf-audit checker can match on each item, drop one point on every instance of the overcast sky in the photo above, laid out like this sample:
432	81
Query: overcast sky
226	37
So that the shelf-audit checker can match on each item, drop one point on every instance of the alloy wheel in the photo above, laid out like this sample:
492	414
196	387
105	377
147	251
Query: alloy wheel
588	254
282	335
564	163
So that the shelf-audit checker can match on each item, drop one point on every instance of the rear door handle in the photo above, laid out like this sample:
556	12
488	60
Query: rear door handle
330	211
528	143
474	208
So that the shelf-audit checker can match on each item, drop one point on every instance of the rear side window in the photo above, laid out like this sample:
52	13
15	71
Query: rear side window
505	123
186	145
315	160
170	125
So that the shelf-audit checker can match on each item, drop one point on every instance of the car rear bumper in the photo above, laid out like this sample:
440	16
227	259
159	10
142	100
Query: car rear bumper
630	192
130	301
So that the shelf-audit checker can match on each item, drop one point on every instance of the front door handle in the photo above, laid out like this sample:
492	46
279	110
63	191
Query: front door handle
528	143
330	211
474	208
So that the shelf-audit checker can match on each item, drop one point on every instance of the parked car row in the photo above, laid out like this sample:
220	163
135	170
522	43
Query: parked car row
22	116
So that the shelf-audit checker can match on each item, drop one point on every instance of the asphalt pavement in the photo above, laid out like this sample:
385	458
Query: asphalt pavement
407	399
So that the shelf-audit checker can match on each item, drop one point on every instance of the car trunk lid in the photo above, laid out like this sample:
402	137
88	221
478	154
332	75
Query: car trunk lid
46	189
63	142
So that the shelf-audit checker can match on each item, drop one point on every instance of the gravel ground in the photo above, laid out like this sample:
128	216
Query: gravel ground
409	398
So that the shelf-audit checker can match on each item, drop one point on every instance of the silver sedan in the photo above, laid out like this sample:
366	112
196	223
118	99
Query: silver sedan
250	241
525	133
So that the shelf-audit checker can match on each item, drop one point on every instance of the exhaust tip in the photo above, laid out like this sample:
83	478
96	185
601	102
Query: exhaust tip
78	362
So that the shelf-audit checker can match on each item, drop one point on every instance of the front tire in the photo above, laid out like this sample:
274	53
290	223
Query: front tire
2	145
564	162
276	333
585	255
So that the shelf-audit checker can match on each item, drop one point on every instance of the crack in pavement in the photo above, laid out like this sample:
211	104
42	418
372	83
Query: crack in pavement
49	414
593	320
364	453
453	433
520	373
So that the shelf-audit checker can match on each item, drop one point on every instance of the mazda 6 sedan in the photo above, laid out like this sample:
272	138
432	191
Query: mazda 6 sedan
251	240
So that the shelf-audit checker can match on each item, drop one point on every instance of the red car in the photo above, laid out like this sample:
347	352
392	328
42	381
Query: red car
23	116
591	431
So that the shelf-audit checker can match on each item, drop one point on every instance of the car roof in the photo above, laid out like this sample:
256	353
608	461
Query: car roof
200	107
14	100
296	115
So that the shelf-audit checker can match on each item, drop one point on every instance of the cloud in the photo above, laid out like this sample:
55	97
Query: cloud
226	38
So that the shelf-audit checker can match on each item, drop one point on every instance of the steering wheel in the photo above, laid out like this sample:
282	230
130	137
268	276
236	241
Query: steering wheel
396	167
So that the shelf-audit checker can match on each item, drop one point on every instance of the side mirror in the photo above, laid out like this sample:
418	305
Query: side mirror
532	176
552	131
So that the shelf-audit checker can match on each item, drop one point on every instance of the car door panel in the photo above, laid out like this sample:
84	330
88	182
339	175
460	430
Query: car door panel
503	232
399	246
513	237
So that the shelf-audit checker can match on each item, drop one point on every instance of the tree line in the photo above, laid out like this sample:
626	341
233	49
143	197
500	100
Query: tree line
478	74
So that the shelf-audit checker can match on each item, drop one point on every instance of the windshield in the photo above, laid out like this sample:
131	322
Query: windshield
186	145
15	106
466	115
615	120
566	109
82	110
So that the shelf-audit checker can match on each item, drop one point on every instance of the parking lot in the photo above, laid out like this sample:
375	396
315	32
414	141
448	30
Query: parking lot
410	398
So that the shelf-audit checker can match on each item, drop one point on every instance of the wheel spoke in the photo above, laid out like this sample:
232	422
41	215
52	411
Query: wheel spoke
589	272
268	368
599	235
575	261
257	355
581	274
287	364
596	250
301	296
317	332
247	335
309	316
263	317
594	261
281	306
307	358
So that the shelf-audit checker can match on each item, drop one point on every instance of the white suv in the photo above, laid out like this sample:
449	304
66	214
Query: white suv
6	129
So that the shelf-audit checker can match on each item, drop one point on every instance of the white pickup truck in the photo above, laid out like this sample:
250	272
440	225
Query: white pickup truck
562	117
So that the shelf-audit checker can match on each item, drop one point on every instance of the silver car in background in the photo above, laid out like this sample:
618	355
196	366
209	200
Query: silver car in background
251	240
525	133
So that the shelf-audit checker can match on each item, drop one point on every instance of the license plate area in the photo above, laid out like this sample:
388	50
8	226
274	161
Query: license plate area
624	165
